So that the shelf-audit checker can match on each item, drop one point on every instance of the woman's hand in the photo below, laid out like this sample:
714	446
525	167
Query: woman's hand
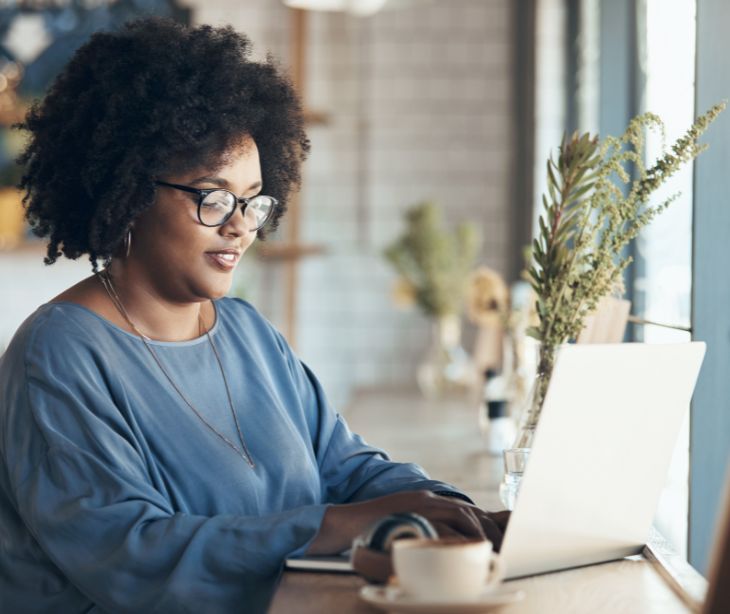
451	517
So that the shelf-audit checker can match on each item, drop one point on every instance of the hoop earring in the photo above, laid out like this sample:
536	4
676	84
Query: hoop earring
127	245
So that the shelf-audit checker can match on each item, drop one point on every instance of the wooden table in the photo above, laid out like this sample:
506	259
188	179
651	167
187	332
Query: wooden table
444	439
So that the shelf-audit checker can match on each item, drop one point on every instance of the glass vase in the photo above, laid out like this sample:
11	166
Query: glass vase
530	412
515	458
446	369
515	461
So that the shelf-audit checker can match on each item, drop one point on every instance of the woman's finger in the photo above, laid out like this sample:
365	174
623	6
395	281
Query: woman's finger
493	532
500	518
444	530
493	525
458	518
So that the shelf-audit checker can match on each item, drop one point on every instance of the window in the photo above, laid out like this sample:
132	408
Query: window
664	249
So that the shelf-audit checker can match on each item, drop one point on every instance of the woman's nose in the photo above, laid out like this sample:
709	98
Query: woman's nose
239	223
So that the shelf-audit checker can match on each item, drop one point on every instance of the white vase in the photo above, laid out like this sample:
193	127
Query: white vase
447	368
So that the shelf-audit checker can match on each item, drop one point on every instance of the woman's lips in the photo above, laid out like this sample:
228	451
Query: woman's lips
225	261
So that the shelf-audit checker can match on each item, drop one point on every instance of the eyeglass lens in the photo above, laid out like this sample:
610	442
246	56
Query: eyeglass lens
219	205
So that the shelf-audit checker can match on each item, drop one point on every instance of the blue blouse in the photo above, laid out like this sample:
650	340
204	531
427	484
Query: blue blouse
115	496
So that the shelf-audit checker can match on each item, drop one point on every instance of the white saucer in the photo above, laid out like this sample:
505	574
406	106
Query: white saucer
392	599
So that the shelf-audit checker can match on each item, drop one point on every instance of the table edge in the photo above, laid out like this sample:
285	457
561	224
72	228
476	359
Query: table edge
684	580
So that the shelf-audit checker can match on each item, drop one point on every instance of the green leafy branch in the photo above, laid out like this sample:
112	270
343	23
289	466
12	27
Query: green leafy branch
597	202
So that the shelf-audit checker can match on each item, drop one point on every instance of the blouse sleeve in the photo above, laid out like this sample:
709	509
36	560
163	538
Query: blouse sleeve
350	469
84	493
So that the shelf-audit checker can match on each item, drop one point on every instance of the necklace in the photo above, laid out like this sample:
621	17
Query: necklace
106	281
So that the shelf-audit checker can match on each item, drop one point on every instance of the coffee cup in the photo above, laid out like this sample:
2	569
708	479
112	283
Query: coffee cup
442	570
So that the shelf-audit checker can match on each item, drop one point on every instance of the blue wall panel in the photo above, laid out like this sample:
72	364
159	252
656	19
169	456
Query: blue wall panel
710	425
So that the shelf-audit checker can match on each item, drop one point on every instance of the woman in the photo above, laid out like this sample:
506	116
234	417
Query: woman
162	447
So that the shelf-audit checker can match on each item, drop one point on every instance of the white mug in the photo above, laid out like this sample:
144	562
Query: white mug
441	570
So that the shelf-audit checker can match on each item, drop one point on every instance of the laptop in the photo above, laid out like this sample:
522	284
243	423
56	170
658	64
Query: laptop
335	563
608	428
609	425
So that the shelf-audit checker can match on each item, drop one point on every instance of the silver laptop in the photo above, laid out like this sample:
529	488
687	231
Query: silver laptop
601	453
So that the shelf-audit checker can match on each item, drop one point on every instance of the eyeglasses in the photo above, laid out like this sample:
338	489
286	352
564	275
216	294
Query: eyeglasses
217	206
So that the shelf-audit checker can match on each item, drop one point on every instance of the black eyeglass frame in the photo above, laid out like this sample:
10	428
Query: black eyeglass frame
202	193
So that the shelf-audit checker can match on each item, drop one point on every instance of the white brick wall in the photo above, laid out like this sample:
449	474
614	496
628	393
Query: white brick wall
428	86
27	283
436	101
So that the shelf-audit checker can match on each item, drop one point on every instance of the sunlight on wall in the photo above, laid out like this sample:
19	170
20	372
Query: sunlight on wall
666	246
550	92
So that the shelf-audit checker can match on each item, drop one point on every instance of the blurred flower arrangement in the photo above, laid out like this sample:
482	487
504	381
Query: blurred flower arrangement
12	110
487	302
434	265
488	308
596	203
502	315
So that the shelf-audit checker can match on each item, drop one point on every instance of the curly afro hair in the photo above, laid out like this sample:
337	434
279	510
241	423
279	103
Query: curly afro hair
153	98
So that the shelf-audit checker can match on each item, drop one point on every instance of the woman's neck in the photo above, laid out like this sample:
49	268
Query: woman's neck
154	314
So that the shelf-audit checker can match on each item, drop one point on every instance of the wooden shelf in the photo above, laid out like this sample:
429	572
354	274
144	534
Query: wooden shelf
25	247
316	118
274	252
285	252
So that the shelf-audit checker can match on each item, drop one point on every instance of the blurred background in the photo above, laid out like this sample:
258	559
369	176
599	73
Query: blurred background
452	102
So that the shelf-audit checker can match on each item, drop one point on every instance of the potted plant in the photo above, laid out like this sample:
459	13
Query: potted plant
597	202
433	265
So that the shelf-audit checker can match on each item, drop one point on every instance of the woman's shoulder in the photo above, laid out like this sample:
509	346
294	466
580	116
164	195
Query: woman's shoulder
239	312
45	345
246	321
56	329
45	322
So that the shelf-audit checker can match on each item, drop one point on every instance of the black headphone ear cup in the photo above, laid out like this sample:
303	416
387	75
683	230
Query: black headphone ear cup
398	526
371	551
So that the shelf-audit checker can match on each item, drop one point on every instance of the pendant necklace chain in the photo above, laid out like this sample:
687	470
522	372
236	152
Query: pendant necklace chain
106	281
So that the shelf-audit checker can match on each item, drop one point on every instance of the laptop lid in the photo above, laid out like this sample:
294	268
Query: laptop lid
608	427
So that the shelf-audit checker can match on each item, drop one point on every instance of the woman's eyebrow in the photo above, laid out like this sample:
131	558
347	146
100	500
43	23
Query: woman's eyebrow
223	183
219	181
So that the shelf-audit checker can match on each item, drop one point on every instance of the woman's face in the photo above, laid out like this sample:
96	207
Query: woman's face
179	258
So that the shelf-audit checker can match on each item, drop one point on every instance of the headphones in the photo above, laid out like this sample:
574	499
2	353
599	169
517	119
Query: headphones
370	556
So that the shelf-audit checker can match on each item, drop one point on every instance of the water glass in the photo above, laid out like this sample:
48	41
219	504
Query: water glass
515	461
